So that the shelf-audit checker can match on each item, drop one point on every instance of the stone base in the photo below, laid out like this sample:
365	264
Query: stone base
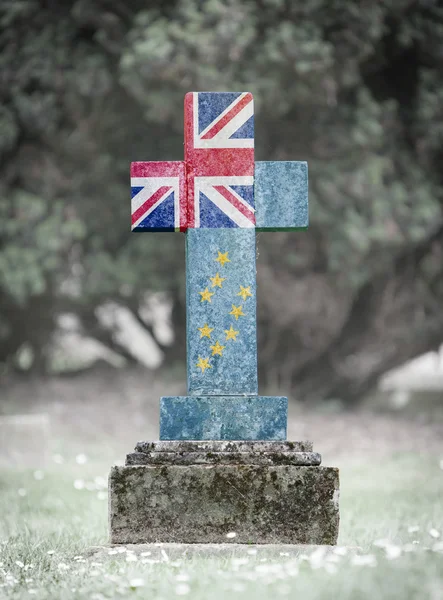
257	498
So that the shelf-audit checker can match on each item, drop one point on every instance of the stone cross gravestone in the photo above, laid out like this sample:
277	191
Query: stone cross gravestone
222	463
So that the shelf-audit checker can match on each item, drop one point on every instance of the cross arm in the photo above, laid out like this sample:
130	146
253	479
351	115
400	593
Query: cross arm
281	195
158	196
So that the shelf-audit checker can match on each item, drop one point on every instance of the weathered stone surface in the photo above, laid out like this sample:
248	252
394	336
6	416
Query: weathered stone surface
236	458
223	417
223	446
201	504
281	195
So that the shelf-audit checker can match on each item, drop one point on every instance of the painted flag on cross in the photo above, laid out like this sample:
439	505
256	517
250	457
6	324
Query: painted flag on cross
219	155
158	196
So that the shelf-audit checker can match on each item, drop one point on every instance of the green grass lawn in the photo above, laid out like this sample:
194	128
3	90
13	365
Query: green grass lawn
391	508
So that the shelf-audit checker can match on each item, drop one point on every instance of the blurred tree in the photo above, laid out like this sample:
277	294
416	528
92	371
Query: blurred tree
355	88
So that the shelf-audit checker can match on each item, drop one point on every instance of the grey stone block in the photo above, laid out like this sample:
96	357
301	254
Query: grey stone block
237	458
202	504
223	446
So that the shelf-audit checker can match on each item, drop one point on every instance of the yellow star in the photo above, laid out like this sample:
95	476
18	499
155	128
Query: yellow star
245	292
205	331
231	334
217	280
206	295
203	363
237	312
217	348
222	258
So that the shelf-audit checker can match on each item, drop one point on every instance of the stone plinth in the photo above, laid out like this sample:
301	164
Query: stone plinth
265	492
223	417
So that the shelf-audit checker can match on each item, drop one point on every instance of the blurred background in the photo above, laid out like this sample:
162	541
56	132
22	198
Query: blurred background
92	315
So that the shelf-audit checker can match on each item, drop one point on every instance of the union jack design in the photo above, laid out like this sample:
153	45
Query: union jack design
219	158
158	196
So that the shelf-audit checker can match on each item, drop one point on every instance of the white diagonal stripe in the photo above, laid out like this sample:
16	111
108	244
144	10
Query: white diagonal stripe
225	206
240	199
235	123
154	183
150	185
222	114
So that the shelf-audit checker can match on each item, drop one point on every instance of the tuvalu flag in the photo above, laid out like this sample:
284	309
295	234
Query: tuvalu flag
221	312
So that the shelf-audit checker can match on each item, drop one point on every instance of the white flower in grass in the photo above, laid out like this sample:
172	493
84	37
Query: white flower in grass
50	552
20	564
413	528
79	484
434	533
164	555
382	543
231	535
131	557
238	562
317	557
182	589
333	558
39	475
392	552
330	568
364	560
81	459
79	557
22	492
101	482
136	583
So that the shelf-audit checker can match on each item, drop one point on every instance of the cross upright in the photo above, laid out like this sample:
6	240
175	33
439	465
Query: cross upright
219	197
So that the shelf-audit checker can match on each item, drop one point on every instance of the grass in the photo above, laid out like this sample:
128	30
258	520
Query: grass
50	519
391	506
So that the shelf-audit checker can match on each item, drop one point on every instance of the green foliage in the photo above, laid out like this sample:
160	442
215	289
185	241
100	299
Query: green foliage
37	238
354	88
